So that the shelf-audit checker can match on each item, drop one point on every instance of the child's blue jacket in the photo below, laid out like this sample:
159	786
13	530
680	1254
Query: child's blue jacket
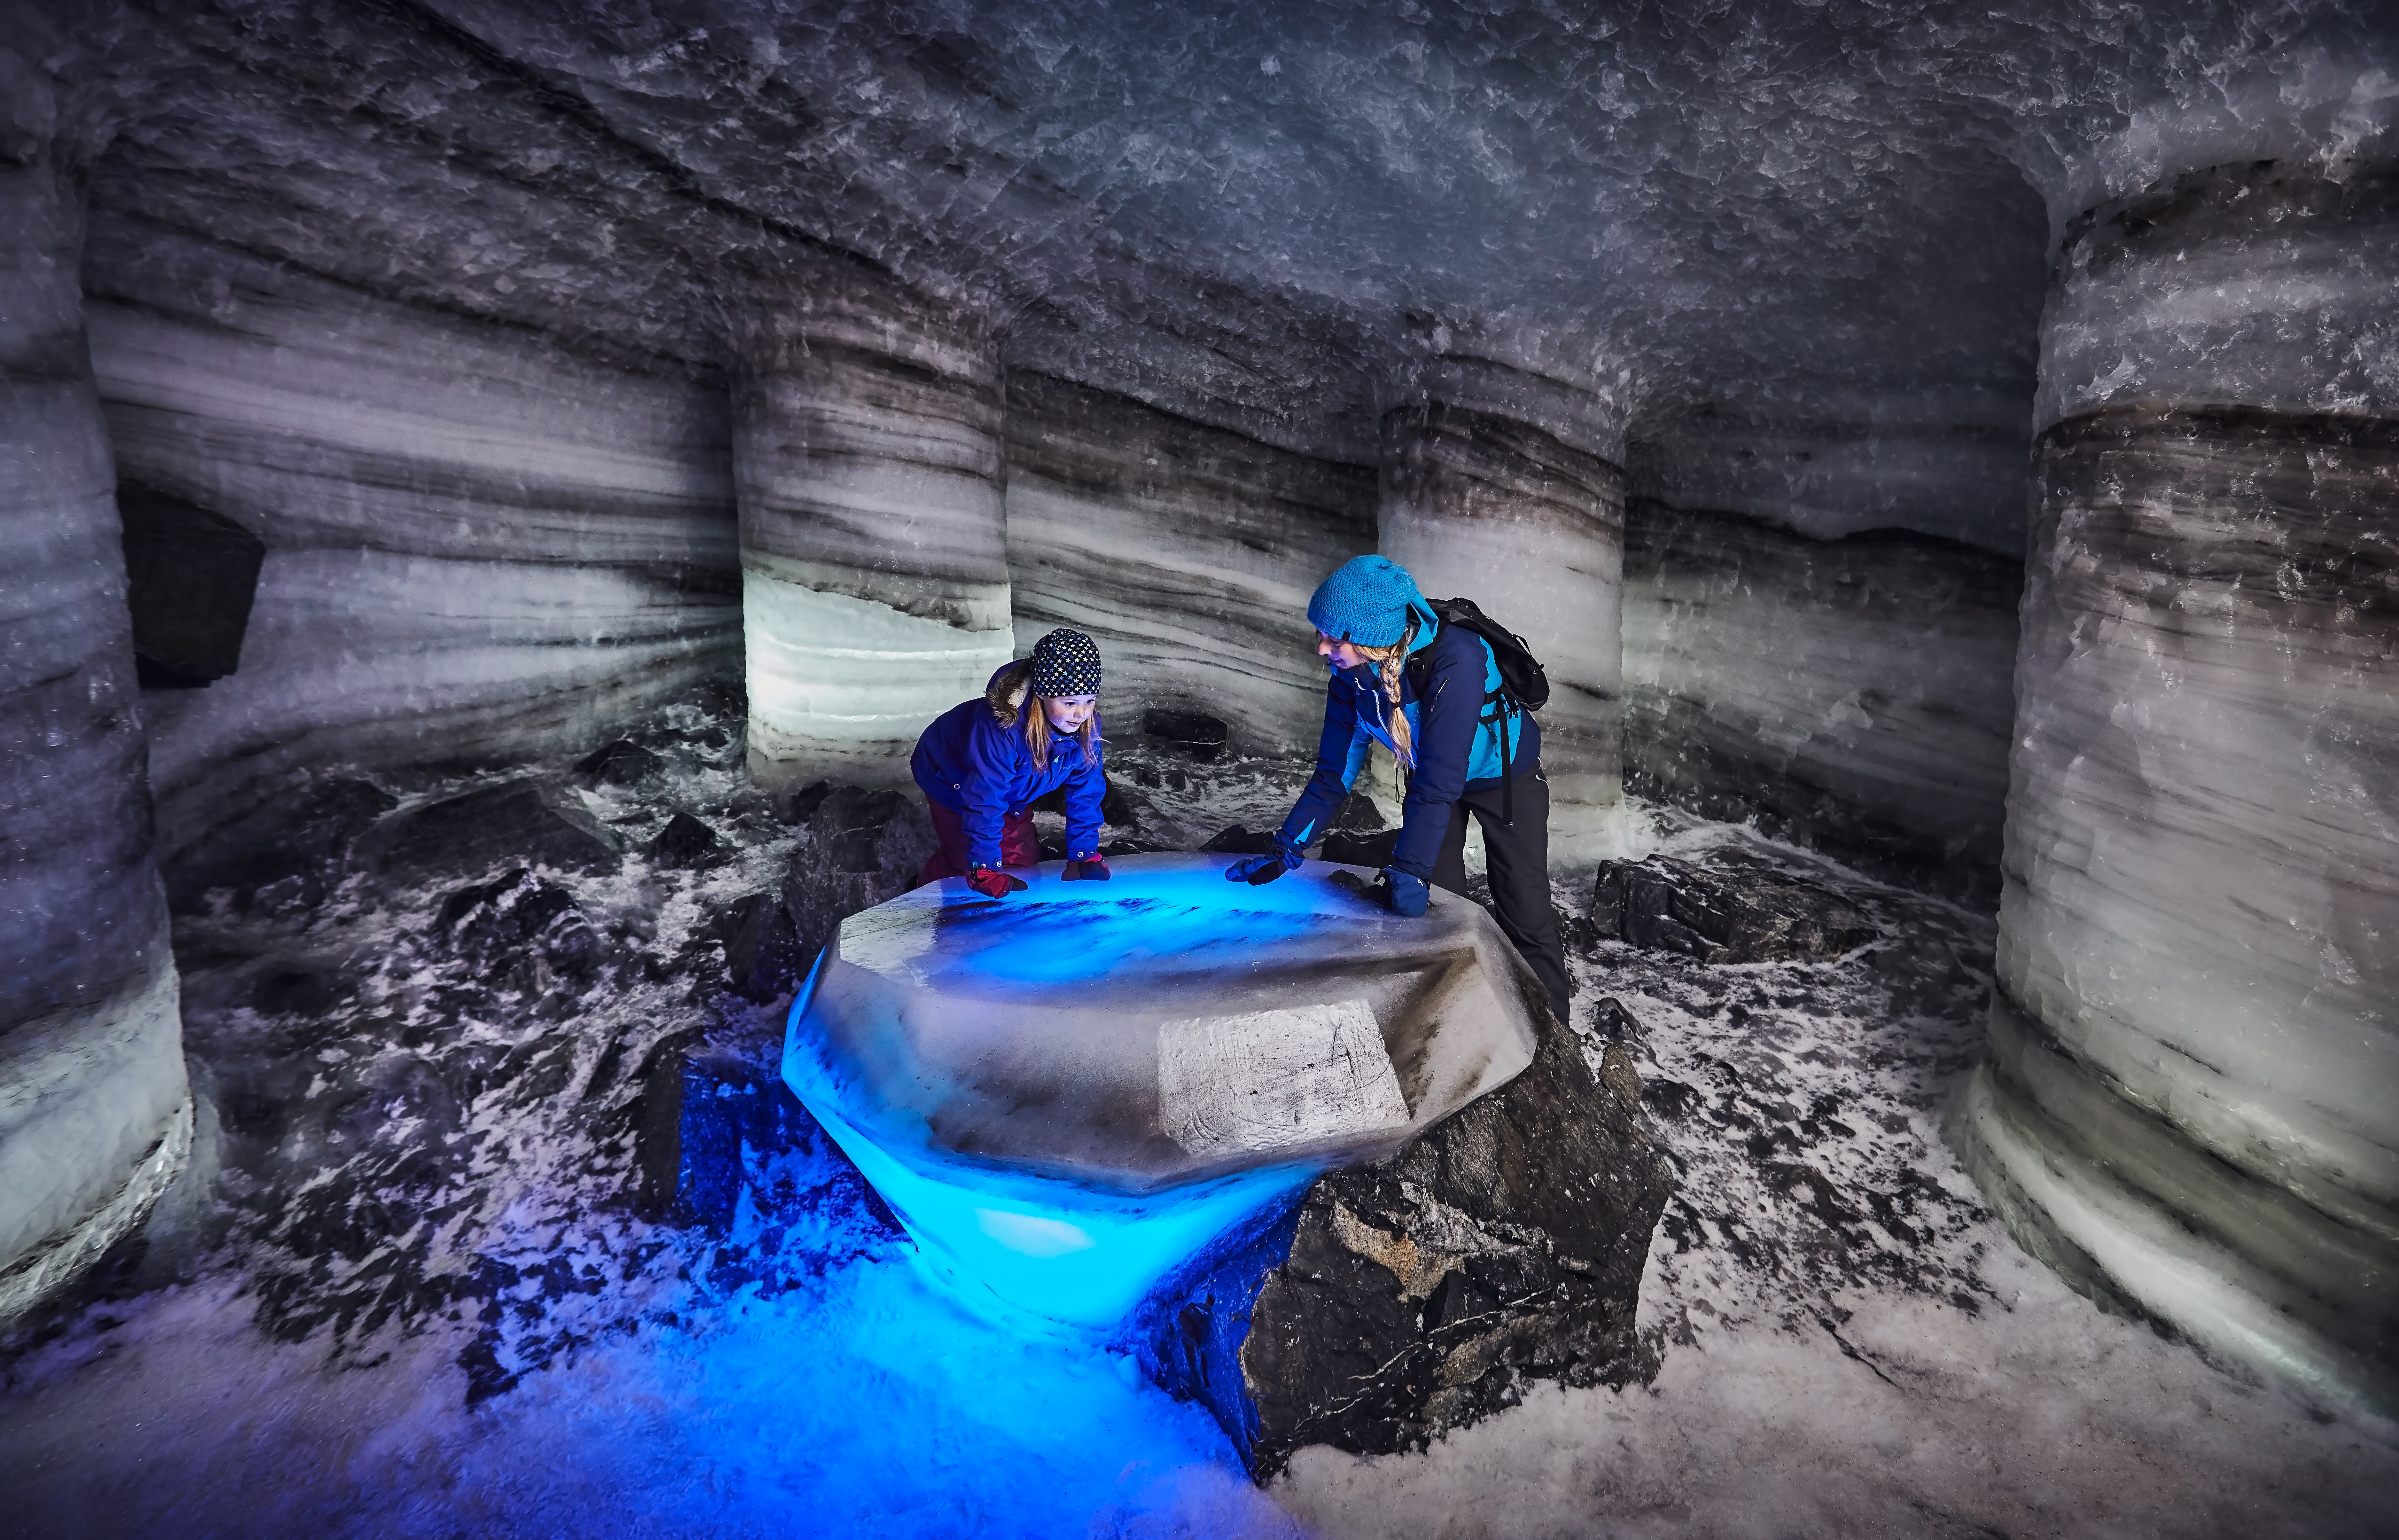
974	760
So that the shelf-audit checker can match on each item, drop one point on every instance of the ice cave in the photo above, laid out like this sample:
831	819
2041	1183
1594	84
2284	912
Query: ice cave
741	791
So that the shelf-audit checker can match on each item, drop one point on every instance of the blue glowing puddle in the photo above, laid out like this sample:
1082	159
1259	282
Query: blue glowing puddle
1067	1094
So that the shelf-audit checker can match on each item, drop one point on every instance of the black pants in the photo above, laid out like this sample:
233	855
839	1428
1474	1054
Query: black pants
1518	855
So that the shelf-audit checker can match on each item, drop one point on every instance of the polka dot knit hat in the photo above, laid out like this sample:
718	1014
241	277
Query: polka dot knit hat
1066	663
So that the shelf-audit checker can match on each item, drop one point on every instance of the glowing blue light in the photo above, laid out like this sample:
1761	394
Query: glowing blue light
1058	934
1050	1248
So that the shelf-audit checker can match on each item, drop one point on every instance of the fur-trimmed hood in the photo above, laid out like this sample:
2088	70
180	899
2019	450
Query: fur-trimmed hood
1004	694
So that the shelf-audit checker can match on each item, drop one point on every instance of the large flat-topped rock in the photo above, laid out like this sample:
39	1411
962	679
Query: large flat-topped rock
1163	1029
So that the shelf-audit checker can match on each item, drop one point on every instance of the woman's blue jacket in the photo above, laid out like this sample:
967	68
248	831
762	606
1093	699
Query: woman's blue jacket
974	760
1446	704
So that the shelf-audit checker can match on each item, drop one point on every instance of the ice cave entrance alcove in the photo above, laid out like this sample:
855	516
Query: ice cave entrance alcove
1066	1094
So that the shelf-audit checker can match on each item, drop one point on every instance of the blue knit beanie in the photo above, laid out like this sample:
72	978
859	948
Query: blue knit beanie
1066	663
1366	600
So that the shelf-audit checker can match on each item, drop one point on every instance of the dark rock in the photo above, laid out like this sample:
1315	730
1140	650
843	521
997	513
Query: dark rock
1356	836
301	843
724	1145
531	822
522	929
1350	849
1357	815
687	845
860	848
800	806
623	763
1118	808
1612	1022
762	947
1192	735
726	696
699	1110
290	989
1237	841
1404	1299
191	576
1723	916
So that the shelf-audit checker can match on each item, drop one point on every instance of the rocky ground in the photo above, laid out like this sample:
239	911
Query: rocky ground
429	1274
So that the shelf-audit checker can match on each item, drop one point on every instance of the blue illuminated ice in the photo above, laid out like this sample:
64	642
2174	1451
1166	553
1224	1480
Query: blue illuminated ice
1065	1093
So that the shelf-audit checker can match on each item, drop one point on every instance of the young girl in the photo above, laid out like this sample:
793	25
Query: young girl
983	763
1427	692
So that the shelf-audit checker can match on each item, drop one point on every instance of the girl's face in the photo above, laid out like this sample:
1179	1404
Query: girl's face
1068	713
1344	654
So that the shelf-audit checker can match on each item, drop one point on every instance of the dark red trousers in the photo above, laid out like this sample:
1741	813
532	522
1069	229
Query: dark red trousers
1019	844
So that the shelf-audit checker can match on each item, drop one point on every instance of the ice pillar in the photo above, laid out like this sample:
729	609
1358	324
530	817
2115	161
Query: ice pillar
95	1112
2191	1103
1503	490
867	463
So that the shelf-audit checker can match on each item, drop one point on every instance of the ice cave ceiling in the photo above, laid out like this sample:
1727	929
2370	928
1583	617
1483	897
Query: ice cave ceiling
1758	222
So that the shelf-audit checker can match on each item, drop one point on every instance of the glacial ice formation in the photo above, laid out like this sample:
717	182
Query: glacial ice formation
1852	693
1068	1092
477	543
2188	1107
1187	552
867	459
1527	521
95	1110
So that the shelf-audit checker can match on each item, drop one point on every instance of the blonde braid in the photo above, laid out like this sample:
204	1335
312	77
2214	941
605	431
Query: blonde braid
1391	663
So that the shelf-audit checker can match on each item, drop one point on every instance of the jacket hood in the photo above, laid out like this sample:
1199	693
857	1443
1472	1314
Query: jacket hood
1004	694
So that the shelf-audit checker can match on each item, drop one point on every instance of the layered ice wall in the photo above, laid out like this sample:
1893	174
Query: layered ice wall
478	543
2188	1106
867	454
1507	489
1188	551
95	1113
1852	693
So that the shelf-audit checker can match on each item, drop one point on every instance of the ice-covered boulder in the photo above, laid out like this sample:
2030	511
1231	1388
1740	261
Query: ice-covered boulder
1068	1092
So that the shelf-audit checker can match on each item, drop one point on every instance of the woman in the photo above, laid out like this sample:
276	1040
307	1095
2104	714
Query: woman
983	763
1427	691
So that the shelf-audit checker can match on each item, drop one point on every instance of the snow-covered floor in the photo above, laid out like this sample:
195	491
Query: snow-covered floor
402	1292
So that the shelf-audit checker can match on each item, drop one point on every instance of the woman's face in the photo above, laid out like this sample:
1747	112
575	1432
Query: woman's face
1344	654
1068	713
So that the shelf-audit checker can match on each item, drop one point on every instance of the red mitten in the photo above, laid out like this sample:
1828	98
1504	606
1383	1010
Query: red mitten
992	883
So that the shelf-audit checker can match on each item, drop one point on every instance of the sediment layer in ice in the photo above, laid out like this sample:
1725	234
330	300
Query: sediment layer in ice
867	458
479	545
2262	284
1854	693
1187	552
2204	841
92	1064
1532	529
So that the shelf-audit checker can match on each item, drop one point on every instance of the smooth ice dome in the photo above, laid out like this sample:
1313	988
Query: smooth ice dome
1067	1092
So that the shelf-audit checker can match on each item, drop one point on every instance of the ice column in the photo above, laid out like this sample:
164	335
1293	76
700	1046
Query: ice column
2191	1103
867	461
95	1113
1504	489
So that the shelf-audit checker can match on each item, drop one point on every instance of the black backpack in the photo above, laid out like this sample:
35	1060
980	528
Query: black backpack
1522	681
1522	678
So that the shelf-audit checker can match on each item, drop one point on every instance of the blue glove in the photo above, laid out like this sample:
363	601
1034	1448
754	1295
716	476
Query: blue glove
1409	895
1259	869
